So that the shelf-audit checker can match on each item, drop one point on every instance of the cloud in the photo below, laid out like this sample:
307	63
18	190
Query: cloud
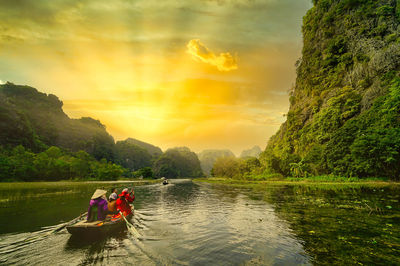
2	82
224	61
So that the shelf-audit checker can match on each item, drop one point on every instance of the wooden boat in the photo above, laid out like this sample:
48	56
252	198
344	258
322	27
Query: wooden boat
98	228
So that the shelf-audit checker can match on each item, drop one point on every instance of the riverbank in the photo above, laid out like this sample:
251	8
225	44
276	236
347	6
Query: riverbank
59	184
298	181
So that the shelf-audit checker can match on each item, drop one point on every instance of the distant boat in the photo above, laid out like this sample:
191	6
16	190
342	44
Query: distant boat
165	182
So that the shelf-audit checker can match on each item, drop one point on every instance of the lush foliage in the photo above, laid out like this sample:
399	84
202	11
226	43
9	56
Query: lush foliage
132	156
154	151
237	168
344	109
40	142
54	164
178	162
36	121
145	172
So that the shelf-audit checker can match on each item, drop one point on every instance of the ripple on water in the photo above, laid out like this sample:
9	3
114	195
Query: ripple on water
181	224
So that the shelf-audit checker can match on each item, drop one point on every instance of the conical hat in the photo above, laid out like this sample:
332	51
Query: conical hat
98	193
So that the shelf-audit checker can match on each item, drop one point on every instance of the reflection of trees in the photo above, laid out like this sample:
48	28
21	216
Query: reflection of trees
224	192
336	225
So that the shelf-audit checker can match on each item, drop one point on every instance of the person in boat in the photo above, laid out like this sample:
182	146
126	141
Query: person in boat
98	206
112	203
123	201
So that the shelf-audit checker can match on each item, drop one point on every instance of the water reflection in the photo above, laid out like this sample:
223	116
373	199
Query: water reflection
340	224
187	223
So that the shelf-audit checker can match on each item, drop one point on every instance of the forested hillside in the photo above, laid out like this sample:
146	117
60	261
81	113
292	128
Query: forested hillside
178	162
36	120
154	151
38	141
344	115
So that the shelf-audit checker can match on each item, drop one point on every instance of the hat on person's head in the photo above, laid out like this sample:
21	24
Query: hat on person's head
98	193
124	192
113	196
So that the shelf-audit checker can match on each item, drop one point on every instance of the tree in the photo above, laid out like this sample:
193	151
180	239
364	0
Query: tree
178	162
226	167
132	156
299	169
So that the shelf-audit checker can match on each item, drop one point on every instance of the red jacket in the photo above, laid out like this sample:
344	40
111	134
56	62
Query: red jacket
123	203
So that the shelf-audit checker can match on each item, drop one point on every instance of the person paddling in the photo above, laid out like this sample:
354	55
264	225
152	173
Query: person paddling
123	201
98	202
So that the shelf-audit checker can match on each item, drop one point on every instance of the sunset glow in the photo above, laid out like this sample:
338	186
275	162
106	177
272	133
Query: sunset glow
202	74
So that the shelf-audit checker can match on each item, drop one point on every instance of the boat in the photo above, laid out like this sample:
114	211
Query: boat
98	228
165	182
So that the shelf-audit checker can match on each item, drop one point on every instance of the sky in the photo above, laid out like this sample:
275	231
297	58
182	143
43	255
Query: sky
206	74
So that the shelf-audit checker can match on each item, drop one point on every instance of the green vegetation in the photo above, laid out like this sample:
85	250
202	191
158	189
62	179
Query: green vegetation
178	162
145	172
237	168
154	151
38	141
208	157
132	156
36	121
344	114
54	164
338	223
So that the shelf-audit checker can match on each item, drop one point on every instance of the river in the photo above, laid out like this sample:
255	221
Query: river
196	223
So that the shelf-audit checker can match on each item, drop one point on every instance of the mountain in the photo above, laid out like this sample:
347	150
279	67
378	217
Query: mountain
135	154
344	115
208	157
151	149
132	156
36	120
178	162
253	152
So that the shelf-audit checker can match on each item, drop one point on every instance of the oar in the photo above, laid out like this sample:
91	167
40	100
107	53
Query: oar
56	229
130	226
70	222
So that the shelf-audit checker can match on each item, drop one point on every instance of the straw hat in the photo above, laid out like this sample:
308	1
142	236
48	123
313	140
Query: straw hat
98	193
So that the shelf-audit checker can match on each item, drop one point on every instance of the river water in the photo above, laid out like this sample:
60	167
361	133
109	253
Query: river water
194	223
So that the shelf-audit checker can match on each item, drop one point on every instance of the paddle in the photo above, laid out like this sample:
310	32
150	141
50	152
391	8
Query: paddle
70	222
130	226
41	236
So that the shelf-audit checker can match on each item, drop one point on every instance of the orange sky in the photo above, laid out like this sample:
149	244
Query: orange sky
197	73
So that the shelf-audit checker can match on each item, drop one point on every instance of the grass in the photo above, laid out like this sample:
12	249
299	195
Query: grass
67	183
317	180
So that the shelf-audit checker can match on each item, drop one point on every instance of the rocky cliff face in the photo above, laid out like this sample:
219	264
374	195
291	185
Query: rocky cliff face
344	102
